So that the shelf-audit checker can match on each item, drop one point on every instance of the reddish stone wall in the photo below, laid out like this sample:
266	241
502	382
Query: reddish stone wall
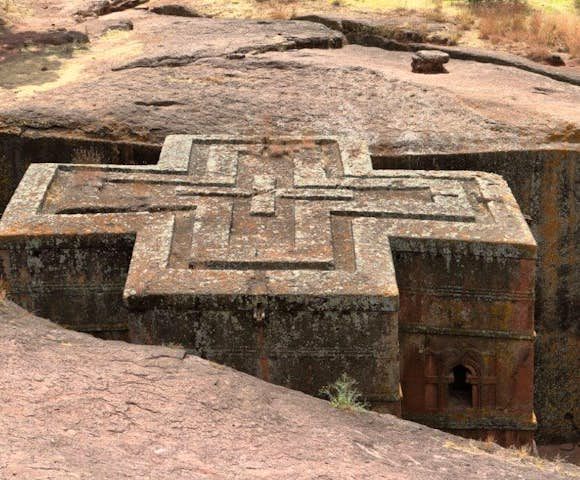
294	346
18	152
471	311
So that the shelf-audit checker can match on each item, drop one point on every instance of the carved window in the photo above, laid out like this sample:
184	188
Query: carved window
460	391
456	380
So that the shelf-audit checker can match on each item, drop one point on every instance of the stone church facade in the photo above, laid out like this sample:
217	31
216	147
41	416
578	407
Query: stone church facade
296	261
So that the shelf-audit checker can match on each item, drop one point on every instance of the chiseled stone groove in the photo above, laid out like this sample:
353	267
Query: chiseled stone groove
467	292
20	288
98	327
498	422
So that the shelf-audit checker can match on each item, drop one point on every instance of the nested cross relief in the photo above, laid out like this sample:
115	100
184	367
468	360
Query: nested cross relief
246	206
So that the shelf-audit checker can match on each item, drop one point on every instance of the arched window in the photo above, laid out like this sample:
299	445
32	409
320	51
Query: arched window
460	388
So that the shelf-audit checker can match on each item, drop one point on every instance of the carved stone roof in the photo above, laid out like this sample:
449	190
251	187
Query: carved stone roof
304	219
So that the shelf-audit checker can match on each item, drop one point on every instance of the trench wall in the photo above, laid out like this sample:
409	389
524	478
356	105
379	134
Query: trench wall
18	152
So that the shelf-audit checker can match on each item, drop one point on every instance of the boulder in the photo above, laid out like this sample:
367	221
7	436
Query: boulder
429	61
119	26
555	60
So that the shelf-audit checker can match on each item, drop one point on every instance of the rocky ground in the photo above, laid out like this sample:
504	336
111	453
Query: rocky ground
173	74
72	406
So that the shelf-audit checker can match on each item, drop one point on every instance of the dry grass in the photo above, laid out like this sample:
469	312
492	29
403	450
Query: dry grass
465	19
277	149
540	31
490	438
514	455
11	11
6	5
436	14
279	9
531	27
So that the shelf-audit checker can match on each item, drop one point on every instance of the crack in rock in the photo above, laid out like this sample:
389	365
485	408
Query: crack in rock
158	103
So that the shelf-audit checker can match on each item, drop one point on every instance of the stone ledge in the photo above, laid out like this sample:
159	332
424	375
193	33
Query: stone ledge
492	422
460	332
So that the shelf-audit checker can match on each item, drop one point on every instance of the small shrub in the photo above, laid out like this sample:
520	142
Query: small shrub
344	395
490	438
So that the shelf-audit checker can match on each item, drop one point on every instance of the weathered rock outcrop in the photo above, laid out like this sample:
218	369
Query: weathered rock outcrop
104	7
429	61
72	406
175	10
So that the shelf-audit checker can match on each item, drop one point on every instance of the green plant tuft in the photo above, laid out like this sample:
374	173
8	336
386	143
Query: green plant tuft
344	395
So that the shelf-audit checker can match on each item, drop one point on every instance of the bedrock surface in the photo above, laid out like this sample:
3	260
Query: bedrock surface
198	75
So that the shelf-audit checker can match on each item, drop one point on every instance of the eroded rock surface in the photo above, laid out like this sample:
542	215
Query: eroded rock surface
248	76
251	77
72	406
